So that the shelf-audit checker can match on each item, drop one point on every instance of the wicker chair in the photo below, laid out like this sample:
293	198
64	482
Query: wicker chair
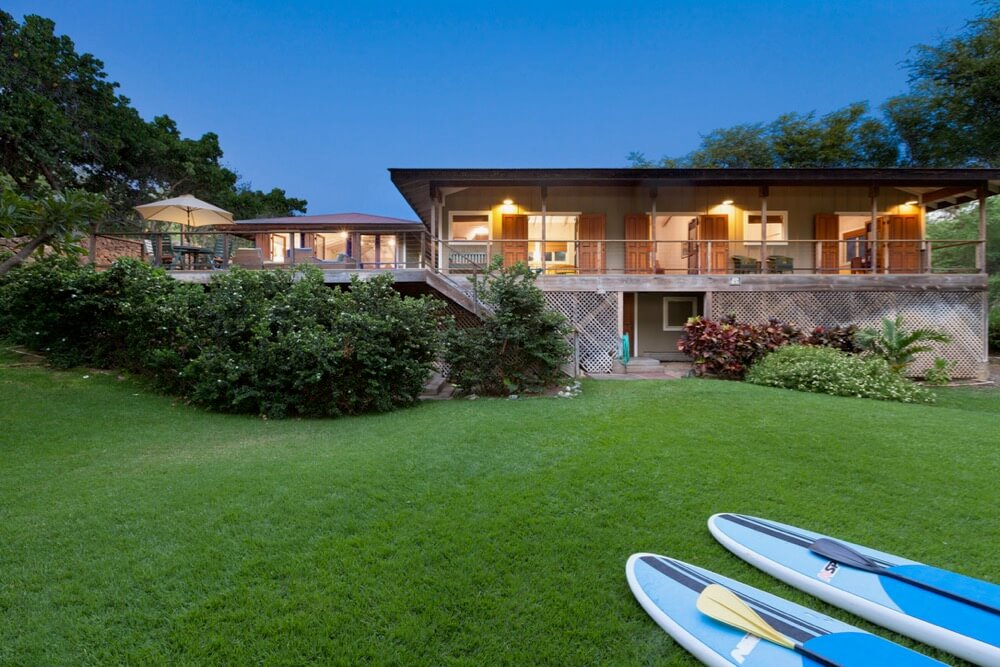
744	264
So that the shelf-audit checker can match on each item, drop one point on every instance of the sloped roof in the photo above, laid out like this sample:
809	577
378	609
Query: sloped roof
329	220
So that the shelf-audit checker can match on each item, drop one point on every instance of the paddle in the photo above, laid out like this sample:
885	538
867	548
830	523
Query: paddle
723	605
845	555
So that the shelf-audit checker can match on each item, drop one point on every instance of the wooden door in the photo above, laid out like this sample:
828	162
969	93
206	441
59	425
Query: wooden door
827	228
713	228
514	227
592	247
903	257
638	247
628	319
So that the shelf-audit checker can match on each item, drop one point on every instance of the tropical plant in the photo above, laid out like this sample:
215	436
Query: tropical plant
896	345
940	372
520	346
824	370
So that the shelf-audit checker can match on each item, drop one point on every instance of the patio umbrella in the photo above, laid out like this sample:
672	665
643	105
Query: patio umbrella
186	210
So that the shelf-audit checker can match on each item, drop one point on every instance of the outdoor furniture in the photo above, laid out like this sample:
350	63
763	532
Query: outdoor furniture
744	264
342	261
193	256
219	252
780	264
166	251
249	258
303	256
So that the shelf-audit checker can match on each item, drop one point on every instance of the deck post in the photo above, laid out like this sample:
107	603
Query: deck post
764	192
545	197
440	212
652	235
873	195
434	226
981	246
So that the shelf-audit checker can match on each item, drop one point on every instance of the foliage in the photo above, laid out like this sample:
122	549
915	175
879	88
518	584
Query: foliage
276	344
520	346
994	329
265	342
63	122
727	348
897	346
77	316
949	117
827	371
51	220
843	338
848	137
940	371
962	222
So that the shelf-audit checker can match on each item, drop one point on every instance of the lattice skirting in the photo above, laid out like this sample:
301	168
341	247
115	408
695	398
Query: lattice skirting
595	318
959	314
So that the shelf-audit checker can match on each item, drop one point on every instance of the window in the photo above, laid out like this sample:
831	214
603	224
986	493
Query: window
677	310
777	227
560	236
378	250
470	226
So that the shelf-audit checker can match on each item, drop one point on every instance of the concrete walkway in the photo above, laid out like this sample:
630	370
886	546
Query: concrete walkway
666	370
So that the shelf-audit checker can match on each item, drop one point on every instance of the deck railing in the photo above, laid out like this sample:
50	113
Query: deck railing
199	250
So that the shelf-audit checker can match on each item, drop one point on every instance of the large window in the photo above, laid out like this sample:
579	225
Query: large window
677	310
470	226
777	227
559	247
378	250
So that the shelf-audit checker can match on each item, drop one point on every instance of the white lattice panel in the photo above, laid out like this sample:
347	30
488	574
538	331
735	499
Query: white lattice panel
958	314
595	317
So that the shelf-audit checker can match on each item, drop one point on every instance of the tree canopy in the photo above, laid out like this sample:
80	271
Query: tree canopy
63	123
950	117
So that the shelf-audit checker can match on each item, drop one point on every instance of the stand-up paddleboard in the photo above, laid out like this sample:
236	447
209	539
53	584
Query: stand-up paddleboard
668	590
966	630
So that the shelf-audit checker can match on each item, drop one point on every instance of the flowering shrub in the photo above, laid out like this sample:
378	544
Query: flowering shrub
728	348
829	371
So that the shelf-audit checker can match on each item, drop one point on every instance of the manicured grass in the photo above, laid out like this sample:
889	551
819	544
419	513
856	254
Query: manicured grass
137	530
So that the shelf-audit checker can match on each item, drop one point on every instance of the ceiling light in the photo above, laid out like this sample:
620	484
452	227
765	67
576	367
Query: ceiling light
727	202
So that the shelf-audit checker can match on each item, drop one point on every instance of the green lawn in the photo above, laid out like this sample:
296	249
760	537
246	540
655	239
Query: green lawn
135	529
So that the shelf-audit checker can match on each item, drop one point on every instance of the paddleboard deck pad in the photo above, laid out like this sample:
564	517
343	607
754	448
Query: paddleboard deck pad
668	590
783	552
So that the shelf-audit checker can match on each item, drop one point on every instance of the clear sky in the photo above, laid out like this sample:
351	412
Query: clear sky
321	97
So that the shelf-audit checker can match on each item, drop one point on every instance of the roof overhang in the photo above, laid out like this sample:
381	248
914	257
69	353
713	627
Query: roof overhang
947	187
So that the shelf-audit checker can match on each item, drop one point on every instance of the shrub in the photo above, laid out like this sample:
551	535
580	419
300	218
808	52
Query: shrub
728	348
940	372
520	346
839	338
897	345
829	371
994	331
273	344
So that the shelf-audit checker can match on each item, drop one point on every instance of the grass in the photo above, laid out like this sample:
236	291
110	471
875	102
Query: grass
134	529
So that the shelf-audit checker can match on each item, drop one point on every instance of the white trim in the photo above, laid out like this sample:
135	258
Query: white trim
784	227
693	300
963	646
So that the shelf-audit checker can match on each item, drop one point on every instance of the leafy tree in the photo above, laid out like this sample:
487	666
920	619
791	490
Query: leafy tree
848	137
56	220
63	123
962	222
950	116
521	346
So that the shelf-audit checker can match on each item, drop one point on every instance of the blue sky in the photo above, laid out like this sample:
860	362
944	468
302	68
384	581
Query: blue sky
320	98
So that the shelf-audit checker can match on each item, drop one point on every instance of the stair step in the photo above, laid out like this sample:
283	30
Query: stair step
643	362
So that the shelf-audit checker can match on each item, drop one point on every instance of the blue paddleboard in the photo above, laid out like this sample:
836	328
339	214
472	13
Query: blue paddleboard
668	590
959	628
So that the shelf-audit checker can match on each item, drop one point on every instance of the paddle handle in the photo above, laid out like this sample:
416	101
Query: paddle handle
816	657
940	591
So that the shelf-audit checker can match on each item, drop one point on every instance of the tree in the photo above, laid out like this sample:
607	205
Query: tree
848	137
951	116
962	222
63	123
56	220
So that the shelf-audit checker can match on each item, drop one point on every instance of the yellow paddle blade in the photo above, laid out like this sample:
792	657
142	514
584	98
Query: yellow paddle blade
722	604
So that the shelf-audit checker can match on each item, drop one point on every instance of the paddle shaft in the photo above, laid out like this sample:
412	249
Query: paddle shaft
816	656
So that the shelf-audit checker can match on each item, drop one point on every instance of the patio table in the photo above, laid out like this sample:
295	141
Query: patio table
194	257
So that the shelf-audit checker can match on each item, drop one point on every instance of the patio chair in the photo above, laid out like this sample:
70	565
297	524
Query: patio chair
166	251
249	258
303	256
219	251
341	262
744	264
780	264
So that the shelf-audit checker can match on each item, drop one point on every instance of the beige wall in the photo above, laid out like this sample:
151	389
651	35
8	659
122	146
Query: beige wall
651	339
801	204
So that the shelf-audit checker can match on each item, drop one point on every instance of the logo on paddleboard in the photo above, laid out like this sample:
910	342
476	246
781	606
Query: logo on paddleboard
743	649
828	572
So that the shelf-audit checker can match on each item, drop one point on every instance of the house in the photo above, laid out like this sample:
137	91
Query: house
638	251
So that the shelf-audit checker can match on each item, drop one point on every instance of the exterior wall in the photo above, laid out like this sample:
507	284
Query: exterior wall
801	203
110	248
651	339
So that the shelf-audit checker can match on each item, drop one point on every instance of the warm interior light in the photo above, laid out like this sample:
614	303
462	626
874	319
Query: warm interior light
508	202
727	202
343	235
912	202
392	240
508	206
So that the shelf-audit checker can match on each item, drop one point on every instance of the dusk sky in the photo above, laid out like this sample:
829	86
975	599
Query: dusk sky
320	98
